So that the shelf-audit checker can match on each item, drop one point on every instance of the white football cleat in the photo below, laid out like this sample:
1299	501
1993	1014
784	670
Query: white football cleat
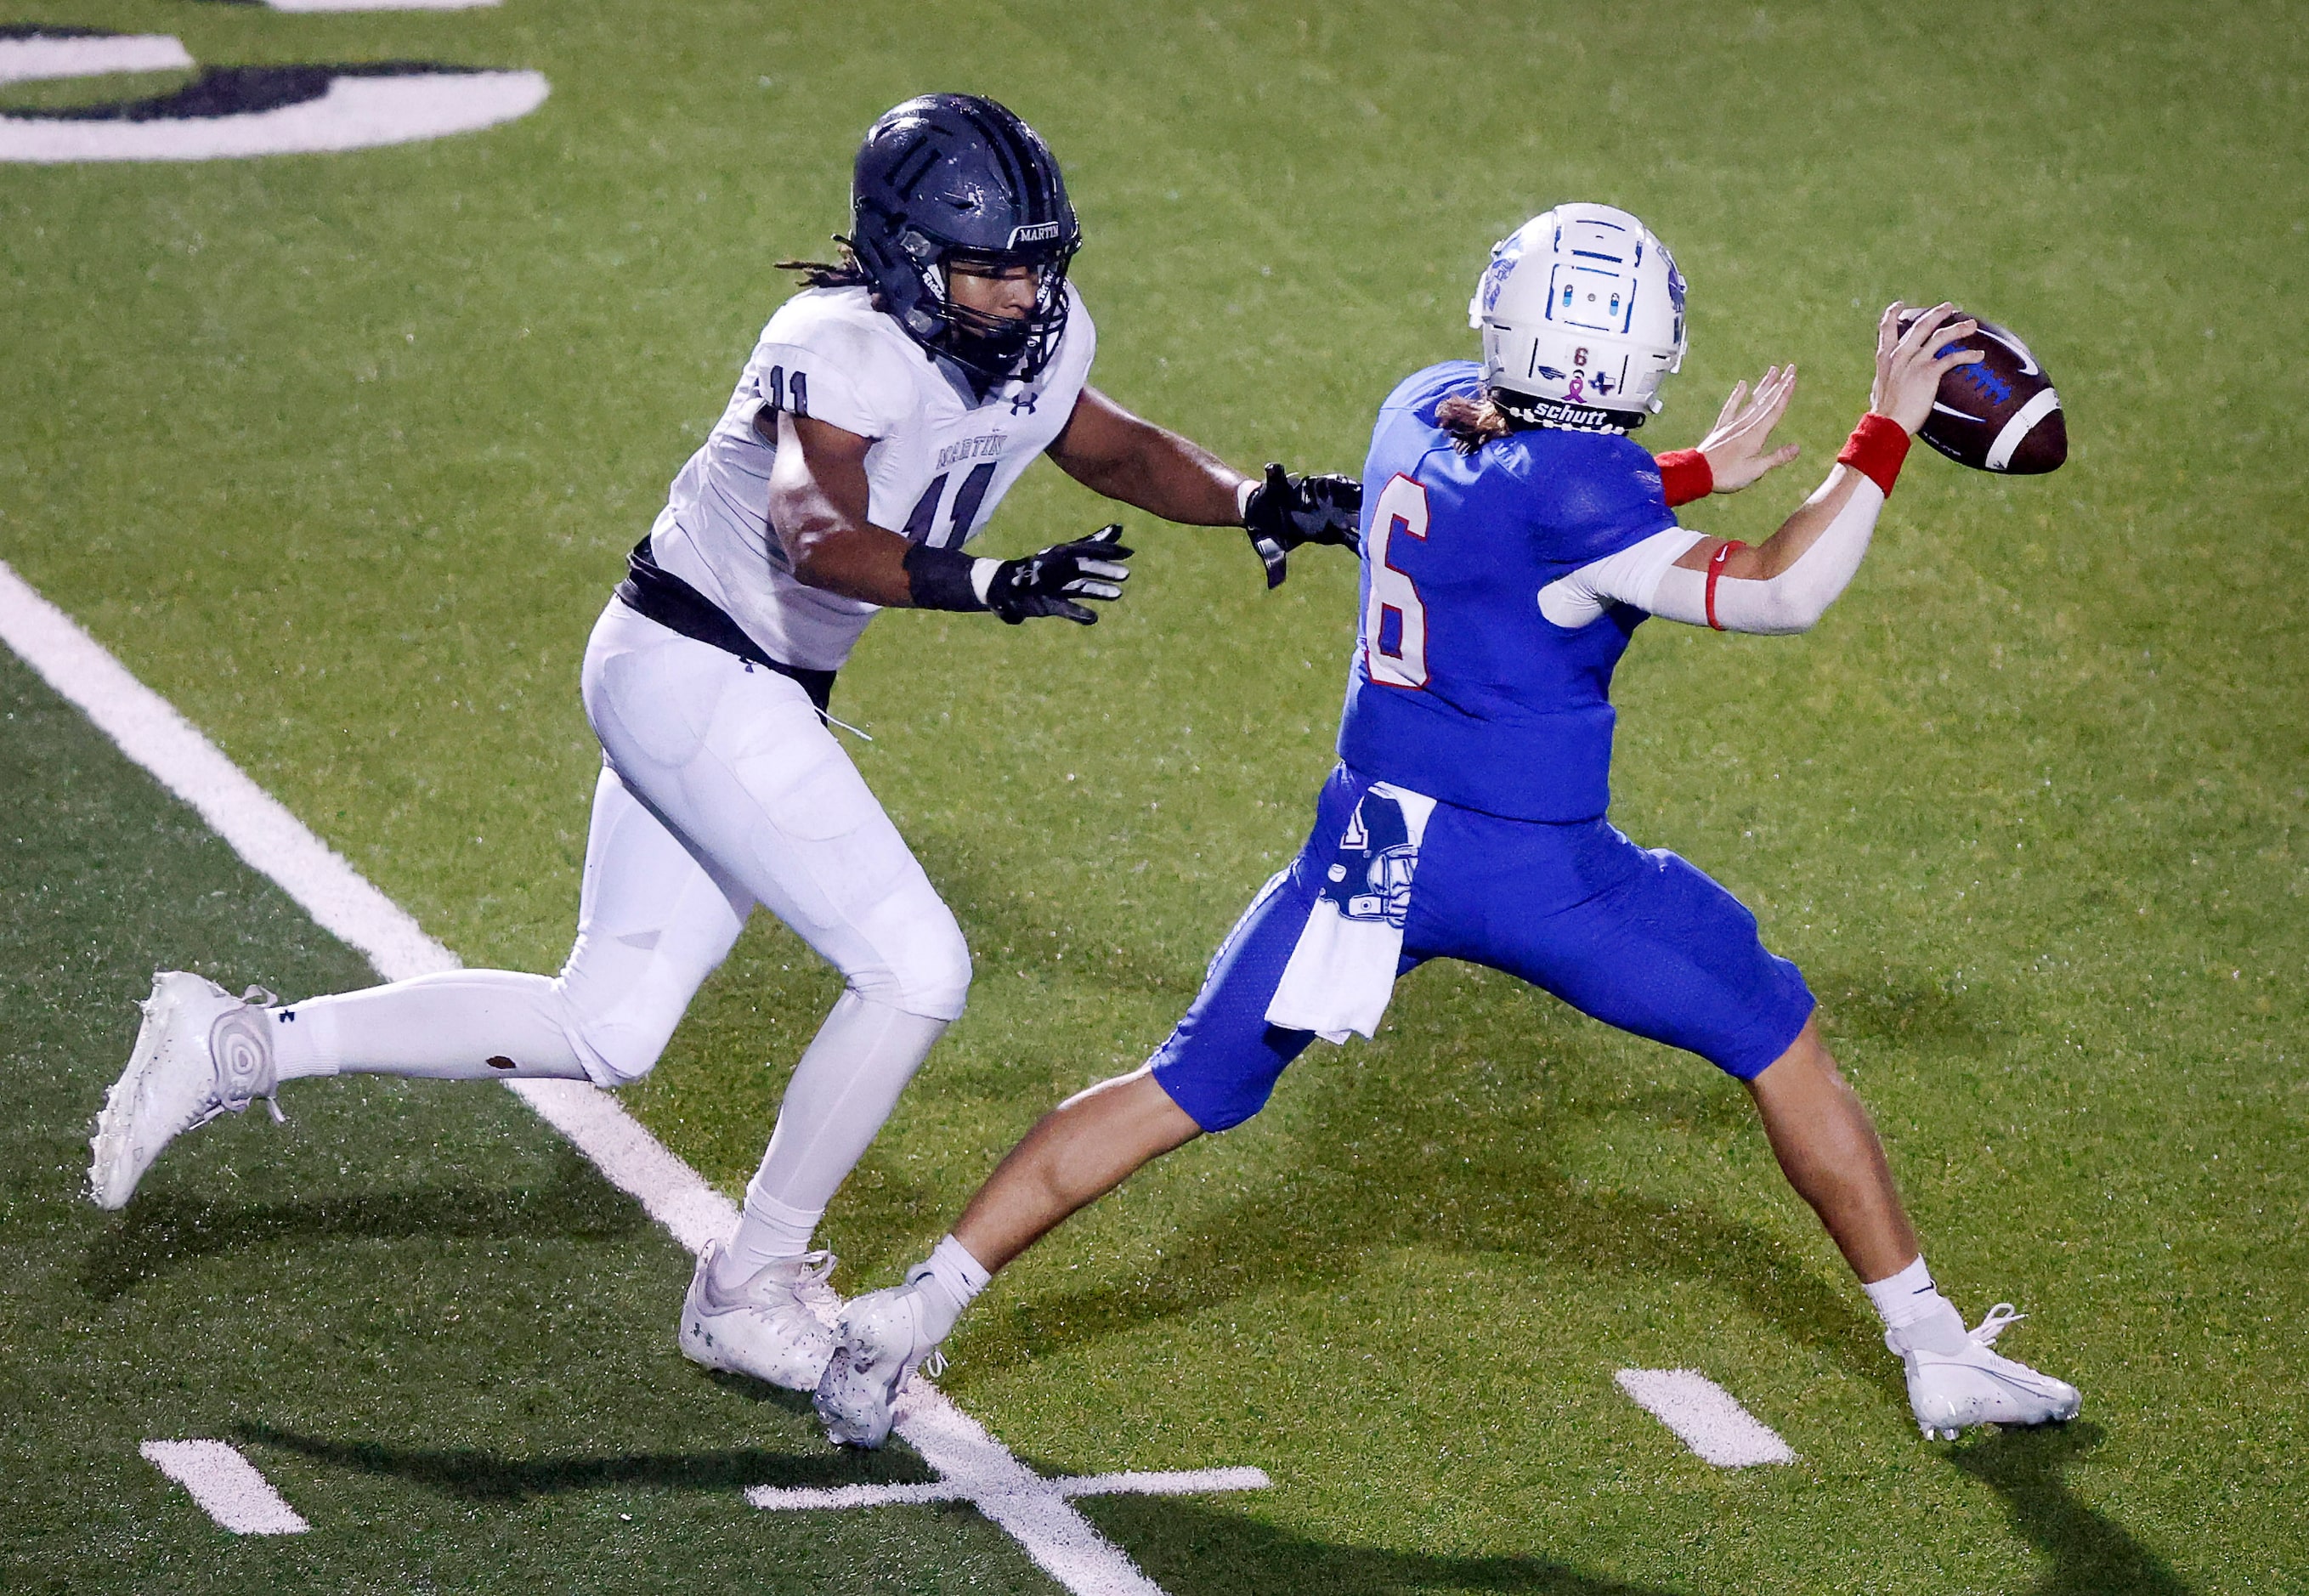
201	1052
1949	1392
878	1343
774	1326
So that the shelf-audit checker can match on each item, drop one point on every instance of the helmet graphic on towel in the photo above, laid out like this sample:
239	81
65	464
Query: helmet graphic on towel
1581	310
949	181
1370	876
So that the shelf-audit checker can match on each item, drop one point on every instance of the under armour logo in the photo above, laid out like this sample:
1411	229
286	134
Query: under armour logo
1023	403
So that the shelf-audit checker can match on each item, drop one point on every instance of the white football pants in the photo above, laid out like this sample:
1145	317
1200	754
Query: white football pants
721	789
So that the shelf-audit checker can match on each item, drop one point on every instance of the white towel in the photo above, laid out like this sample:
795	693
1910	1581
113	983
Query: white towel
1342	971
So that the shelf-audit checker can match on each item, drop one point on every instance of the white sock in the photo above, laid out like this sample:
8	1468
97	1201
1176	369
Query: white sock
458	1025
1915	1314
304	1043
768	1231
946	1282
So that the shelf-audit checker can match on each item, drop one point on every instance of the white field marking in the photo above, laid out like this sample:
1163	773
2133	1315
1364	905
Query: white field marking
258	828
798	1499
227	1486
1156	1482
22	60
276	844
1705	1416
1161	1482
356	113
638	1163
1067	1546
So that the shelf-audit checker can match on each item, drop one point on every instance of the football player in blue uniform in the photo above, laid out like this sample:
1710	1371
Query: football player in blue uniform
1513	539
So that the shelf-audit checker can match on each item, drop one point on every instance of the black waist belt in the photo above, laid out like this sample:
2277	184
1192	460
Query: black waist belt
650	589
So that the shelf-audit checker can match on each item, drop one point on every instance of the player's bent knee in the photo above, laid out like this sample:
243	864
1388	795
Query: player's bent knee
619	1047
613	1056
1217	1102
924	968
1213	1114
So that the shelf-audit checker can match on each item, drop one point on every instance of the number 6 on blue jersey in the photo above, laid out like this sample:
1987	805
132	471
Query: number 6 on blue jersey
1395	655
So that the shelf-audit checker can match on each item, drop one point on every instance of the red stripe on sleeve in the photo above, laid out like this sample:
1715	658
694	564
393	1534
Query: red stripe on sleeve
1724	551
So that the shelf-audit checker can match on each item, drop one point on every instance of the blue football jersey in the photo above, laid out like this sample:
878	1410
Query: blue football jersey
1461	688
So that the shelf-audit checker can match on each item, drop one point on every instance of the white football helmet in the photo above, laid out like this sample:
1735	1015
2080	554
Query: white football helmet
1581	306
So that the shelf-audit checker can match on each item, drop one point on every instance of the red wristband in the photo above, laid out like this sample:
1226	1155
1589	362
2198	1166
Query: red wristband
1685	477
1877	447
1724	552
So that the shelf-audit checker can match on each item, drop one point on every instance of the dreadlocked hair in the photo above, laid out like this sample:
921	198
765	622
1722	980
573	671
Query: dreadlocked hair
827	274
1473	422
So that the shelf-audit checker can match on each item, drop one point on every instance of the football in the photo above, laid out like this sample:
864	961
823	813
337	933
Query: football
1998	414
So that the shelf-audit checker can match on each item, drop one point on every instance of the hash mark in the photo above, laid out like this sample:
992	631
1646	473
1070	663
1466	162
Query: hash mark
226	1486
1705	1416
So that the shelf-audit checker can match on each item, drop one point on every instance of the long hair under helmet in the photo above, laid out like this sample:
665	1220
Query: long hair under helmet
956	179
1581	310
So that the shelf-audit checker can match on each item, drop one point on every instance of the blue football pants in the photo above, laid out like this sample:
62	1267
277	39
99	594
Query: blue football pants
1636	938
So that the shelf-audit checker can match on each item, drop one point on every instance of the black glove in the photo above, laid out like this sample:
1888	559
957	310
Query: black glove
1286	511
1047	583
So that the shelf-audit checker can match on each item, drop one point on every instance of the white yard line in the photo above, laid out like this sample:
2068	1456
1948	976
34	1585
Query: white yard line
1056	1535
227	1486
675	1195
278	845
1161	1482
1705	1416
799	1499
274	842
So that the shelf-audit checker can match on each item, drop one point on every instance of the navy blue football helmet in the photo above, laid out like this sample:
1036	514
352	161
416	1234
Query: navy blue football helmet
957	180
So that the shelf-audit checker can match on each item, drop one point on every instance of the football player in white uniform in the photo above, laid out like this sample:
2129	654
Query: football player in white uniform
885	412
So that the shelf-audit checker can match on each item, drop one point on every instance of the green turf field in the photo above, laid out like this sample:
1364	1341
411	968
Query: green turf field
341	453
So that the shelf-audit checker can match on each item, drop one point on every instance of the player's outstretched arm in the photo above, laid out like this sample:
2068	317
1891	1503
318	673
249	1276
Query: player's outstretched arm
1110	451
818	498
1788	581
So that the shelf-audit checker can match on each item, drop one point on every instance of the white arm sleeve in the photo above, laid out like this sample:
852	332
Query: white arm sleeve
1630	576
1792	602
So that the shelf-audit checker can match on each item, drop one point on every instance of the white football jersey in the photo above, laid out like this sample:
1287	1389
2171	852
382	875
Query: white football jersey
940	461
